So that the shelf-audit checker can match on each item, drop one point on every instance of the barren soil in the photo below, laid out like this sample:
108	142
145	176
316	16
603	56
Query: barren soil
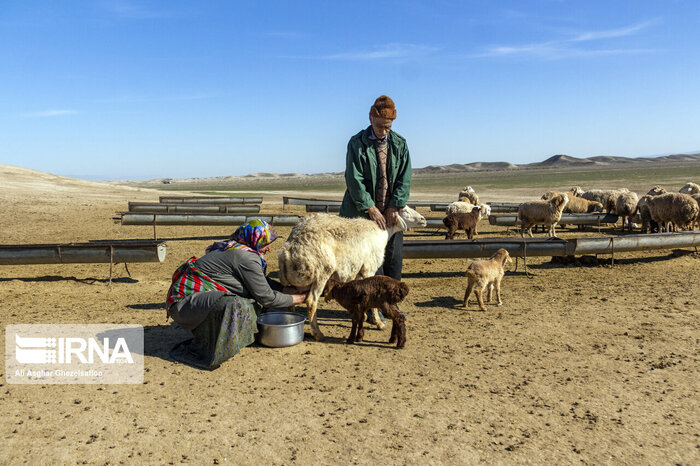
592	364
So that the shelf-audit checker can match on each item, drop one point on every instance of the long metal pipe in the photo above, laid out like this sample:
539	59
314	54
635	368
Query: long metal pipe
129	218
286	200
193	208
209	200
566	219
504	207
496	207
323	207
519	247
608	245
73	253
421	249
335	207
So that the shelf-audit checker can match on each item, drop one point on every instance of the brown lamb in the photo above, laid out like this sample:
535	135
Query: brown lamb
359	296
462	221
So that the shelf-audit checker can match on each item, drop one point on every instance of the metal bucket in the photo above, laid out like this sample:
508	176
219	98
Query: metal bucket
280	329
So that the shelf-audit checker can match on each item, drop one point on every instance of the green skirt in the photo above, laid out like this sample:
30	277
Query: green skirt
229	327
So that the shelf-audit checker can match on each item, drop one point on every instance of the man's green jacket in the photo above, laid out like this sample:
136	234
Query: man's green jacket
361	173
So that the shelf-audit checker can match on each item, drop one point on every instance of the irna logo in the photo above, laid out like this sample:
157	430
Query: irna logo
33	350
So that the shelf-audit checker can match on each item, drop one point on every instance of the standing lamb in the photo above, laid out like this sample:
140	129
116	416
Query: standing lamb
324	245
678	209
625	206
484	273
462	221
359	296
690	188
541	212
468	194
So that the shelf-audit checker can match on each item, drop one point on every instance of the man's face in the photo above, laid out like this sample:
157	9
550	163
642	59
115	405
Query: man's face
381	126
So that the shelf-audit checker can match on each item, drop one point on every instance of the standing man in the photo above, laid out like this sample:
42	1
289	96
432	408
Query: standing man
378	179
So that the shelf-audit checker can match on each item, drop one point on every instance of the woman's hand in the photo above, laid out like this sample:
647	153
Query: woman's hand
298	299
377	216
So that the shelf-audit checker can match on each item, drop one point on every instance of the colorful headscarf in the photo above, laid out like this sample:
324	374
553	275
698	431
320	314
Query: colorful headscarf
251	236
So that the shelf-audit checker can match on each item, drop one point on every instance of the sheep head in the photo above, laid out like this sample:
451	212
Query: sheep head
328	289
597	206
577	191
690	188
560	201
656	191
409	218
485	209
502	255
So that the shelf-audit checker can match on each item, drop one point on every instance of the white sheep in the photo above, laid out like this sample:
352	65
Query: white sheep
324	245
690	188
466	207
541	212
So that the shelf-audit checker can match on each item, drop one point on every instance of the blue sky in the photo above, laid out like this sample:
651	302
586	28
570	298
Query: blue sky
138	90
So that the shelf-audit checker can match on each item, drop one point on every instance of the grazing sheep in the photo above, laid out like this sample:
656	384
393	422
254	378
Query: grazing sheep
656	190
577	204
625	206
468	194
465	206
462	221
607	197
690	188
359	296
541	212
678	209
648	224
484	273
324	245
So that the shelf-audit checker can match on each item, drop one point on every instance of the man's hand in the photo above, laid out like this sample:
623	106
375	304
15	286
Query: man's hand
392	215
377	216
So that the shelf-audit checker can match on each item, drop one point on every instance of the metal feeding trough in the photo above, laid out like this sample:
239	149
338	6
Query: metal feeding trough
106	251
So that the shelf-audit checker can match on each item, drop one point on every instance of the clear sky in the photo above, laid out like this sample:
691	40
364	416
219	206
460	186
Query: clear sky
137	90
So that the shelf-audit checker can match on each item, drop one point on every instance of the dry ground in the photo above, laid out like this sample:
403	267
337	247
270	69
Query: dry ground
580	364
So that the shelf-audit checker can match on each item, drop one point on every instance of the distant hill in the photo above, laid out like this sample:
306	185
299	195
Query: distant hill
556	161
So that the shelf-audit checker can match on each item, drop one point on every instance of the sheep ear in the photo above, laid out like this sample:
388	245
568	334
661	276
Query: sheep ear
402	223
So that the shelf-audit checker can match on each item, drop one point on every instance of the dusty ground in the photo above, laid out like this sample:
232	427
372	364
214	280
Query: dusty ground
580	364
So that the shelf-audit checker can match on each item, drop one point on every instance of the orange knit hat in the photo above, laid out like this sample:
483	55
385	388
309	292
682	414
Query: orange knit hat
383	107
